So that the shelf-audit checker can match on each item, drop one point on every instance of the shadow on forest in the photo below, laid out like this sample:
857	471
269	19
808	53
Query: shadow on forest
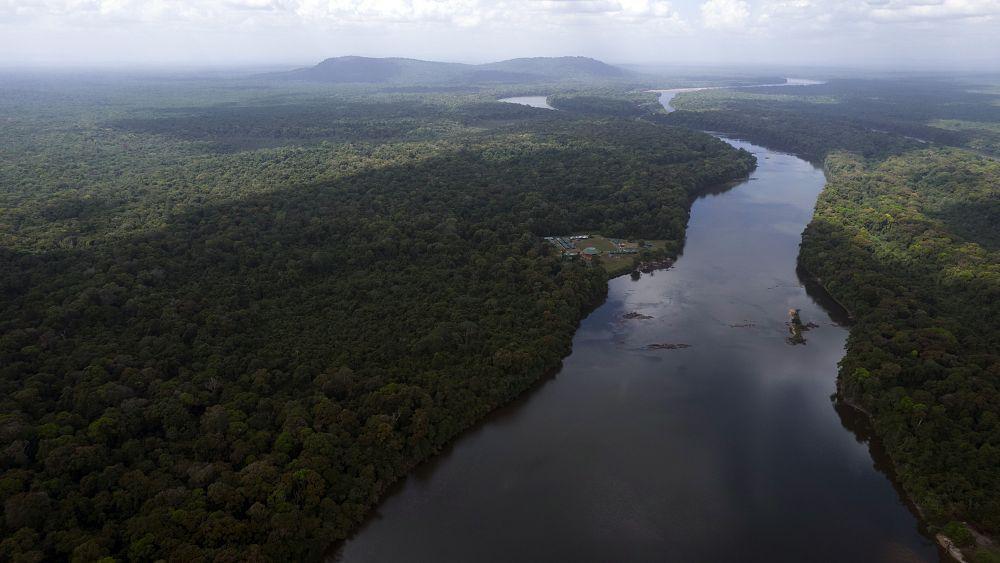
973	221
229	129
384	311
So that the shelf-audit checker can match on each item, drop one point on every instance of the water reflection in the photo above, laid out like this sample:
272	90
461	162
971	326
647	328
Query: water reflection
727	450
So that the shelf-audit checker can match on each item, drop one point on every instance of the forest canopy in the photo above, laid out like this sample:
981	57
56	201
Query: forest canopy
897	243
227	328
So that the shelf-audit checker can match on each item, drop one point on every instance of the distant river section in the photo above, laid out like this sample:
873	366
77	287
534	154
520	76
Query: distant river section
533	101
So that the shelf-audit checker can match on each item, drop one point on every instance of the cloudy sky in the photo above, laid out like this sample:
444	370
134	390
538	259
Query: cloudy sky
870	33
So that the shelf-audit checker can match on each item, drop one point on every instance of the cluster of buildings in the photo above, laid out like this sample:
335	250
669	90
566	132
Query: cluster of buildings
573	246
566	243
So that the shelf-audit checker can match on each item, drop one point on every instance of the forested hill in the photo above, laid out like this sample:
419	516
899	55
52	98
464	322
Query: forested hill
560	67
412	71
218	348
377	70
906	236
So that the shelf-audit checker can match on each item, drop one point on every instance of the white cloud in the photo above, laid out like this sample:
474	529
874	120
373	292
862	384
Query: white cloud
714	14
471	30
725	14
339	12
850	12
892	11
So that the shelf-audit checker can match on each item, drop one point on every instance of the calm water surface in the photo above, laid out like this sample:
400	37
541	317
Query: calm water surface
533	101
729	450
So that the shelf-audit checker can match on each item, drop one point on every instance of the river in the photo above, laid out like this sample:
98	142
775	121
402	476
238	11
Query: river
533	101
728	450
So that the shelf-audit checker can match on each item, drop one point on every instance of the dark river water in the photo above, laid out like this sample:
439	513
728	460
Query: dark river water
728	450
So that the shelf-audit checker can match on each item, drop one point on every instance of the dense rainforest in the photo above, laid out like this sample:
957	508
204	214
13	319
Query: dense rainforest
870	117
230	321
234	311
906	236
909	246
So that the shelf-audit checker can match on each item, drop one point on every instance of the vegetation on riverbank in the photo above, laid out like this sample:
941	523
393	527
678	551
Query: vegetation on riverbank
226	329
907	245
905	235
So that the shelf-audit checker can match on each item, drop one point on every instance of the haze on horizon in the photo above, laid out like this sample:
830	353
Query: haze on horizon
907	34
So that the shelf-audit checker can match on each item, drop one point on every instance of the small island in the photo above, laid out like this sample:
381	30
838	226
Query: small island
667	346
796	327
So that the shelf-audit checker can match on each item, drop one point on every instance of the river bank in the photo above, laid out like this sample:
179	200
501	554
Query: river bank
510	407
946	548
723	450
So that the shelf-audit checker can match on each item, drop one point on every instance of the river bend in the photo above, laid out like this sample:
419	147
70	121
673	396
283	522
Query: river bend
728	450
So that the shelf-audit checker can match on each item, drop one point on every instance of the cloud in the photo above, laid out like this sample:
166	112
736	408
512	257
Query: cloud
340	12
873	12
725	14
894	11
471	30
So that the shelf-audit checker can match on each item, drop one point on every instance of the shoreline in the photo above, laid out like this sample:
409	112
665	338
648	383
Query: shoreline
522	394
331	553
436	455
947	551
946	548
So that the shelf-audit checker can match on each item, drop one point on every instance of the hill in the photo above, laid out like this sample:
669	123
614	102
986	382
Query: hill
375	70
352	69
560	67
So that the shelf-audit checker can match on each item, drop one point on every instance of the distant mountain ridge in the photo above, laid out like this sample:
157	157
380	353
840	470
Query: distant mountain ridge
395	70
566	66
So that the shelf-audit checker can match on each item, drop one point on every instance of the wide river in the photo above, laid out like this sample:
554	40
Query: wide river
728	450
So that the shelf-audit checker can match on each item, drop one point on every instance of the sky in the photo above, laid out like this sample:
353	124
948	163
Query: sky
905	34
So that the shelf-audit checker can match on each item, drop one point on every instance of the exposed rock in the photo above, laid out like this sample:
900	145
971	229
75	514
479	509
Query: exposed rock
635	315
949	546
667	346
796	327
652	265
